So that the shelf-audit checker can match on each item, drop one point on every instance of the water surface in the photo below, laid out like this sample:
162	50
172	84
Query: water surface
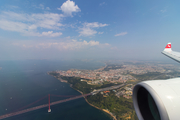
23	82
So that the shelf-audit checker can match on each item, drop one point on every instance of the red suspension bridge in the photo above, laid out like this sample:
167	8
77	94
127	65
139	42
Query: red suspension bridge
72	97
23	110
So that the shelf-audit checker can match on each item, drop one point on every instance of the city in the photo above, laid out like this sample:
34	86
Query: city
118	73
115	82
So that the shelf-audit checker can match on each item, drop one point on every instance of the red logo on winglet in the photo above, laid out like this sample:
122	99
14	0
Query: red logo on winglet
168	46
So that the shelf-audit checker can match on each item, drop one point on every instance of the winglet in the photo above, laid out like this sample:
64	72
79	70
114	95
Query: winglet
168	47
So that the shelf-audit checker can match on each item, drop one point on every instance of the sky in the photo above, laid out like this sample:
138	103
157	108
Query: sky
88	29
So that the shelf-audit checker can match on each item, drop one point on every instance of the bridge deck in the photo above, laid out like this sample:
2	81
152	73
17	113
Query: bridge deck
41	106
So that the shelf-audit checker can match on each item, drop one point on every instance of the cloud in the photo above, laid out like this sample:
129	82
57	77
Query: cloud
87	32
41	6
93	43
13	26
121	34
31	24
55	49
14	16
63	45
106	44
47	20
51	34
87	29
28	24
47	8
32	27
95	24
69	7
100	32
102	3
163	11
12	7
43	34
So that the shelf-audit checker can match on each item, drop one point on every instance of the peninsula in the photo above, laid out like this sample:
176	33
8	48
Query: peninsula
115	101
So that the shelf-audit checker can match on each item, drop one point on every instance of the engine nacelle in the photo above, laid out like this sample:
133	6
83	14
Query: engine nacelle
157	99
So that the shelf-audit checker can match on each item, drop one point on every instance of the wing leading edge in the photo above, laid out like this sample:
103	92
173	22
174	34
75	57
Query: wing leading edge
171	54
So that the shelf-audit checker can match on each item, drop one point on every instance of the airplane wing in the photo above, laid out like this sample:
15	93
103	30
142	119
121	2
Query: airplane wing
158	99
171	54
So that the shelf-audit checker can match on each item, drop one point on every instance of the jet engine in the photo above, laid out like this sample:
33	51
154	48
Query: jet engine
157	99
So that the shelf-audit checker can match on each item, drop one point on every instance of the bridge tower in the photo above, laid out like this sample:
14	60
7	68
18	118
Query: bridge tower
49	110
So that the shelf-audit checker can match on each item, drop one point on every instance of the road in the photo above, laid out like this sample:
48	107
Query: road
60	101
107	88
42	106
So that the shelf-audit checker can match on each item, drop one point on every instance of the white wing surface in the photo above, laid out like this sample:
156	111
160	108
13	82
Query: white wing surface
172	54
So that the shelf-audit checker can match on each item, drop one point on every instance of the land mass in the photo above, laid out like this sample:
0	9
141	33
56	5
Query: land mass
118	101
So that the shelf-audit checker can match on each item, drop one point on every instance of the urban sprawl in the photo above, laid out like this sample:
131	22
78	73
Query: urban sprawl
117	74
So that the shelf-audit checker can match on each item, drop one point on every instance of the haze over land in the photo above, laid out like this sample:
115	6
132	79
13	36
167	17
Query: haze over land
77	29
103	84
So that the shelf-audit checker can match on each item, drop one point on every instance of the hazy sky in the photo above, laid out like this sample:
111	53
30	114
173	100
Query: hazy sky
88	29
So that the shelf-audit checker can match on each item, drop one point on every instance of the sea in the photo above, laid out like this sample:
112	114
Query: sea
23	82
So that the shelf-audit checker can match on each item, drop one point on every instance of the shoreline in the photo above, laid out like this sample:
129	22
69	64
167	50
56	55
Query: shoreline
106	111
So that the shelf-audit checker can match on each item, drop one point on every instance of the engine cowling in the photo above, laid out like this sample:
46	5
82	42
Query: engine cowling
157	99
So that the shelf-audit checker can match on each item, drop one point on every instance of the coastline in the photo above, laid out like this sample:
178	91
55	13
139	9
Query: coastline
106	111
58	78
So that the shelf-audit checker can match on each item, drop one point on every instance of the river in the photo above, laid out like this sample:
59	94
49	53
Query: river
23	82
